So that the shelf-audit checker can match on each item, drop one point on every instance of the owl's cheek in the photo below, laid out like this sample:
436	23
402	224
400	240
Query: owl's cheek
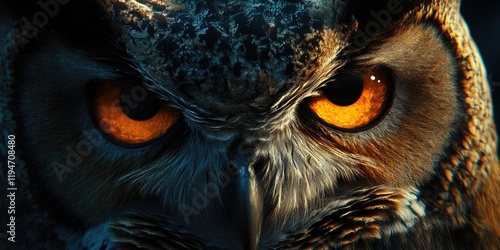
405	148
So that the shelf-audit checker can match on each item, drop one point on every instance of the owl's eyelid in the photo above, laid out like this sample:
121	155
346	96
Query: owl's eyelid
358	69
346	73
127	81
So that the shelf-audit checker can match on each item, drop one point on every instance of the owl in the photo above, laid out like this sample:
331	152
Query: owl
255	124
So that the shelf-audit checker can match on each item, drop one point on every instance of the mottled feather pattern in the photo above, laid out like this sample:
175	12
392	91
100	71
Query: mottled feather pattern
361	215
140	232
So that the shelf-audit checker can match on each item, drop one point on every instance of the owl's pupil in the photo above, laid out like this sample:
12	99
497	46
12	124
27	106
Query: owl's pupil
138	103
345	92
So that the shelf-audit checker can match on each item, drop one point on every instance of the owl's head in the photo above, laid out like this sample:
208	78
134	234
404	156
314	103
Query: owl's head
253	124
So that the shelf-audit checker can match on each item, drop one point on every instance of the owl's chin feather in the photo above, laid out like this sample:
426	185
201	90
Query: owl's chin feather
137	227
362	214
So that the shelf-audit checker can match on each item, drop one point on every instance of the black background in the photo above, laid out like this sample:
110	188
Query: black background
483	19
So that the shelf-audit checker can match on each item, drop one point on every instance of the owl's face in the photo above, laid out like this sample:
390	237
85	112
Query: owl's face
248	124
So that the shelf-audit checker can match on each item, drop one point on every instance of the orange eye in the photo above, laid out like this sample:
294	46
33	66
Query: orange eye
353	103
130	114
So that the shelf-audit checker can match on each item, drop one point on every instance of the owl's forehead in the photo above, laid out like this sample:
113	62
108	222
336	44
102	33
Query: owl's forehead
212	43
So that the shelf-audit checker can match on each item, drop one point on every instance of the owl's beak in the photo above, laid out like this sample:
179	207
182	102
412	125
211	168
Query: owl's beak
246	204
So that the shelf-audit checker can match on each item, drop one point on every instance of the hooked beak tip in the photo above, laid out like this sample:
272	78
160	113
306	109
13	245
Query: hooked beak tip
247	207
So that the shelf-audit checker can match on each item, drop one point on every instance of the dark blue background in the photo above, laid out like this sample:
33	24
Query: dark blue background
483	19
